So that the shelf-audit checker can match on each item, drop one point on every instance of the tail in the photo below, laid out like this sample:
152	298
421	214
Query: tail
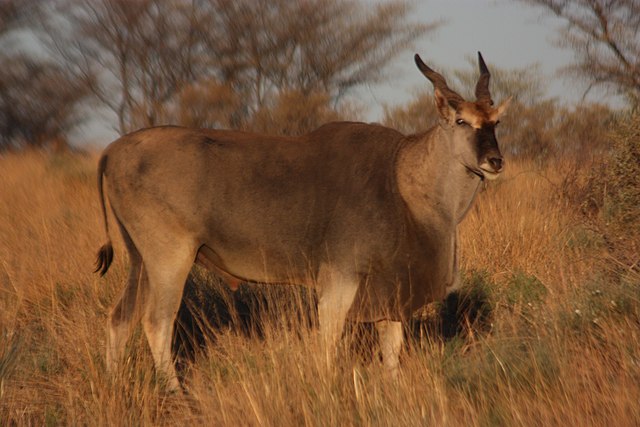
104	258
105	254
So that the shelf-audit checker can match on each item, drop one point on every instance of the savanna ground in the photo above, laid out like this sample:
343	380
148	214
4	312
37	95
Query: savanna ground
549	258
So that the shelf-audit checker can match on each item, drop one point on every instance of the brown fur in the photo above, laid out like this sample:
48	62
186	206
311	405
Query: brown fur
360	211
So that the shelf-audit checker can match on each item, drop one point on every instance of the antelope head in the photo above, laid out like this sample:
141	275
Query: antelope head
472	124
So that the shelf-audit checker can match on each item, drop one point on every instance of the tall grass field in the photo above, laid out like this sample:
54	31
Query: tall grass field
547	332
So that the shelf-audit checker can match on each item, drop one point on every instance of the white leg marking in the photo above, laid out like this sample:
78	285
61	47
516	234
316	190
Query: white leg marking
391	338
337	292
126	313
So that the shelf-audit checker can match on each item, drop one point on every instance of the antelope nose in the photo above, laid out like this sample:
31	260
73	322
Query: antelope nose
496	163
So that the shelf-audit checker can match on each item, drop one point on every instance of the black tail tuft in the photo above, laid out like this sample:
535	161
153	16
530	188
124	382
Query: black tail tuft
104	258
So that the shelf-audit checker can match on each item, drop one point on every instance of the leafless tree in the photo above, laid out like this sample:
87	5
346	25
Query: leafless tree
154	57
38	99
605	35
38	104
135	54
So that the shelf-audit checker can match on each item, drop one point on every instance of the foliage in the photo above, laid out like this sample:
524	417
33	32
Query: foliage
611	195
294	112
38	104
38	98
417	116
148	61
524	289
622	201
207	104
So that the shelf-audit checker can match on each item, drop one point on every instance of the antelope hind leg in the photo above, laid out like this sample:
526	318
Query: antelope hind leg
125	315
167	278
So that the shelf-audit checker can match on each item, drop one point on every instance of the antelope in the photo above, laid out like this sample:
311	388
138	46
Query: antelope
365	214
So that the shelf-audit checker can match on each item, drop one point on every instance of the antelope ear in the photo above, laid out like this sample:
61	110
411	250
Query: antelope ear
502	108
445	109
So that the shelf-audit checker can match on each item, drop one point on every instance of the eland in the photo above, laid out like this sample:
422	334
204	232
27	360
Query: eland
365	214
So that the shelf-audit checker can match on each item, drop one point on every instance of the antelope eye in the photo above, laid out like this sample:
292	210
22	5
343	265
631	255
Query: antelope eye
461	122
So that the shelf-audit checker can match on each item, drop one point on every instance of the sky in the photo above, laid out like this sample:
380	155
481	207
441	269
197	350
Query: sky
509	33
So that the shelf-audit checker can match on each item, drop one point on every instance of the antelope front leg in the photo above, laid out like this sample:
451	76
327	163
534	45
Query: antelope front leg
391	337
337	292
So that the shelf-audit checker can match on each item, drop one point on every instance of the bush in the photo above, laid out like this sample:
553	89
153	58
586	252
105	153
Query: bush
622	201
524	289
613	192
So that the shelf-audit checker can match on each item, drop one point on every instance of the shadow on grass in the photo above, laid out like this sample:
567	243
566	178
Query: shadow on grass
210	307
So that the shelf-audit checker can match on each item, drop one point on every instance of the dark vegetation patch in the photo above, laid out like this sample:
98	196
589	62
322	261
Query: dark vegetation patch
209	307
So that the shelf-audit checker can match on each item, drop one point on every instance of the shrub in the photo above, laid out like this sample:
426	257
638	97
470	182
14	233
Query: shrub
524	289
612	198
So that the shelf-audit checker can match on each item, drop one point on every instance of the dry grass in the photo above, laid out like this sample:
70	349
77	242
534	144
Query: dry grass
563	347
